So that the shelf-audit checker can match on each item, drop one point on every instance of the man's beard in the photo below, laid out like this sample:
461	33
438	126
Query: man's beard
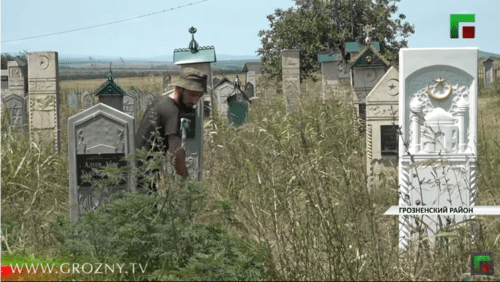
185	108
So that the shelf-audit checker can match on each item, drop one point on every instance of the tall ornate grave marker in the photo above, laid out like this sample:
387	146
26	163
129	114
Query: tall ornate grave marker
438	117
73	100
382	125
489	72
98	136
17	110
366	70
223	90
112	94
199	58
290	60
43	73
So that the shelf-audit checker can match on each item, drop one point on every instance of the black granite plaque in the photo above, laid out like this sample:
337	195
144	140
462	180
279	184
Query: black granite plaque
389	139
85	164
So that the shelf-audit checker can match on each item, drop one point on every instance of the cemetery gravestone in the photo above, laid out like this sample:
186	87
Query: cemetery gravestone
130	104
290	60
381	124
215	80
148	99
238	108
17	110
17	78
87	100
222	91
249	90
199	58
438	117
251	79
43	72
489	72
98	137
366	70
330	73
73	100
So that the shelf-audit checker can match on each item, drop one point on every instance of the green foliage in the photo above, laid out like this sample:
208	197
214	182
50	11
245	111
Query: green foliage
131	229
316	26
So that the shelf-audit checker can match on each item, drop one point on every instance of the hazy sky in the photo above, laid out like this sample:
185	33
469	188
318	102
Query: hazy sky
231	26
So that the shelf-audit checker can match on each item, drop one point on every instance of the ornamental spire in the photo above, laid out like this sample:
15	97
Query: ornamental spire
193	45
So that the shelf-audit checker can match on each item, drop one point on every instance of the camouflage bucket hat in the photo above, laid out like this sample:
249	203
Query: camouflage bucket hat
193	79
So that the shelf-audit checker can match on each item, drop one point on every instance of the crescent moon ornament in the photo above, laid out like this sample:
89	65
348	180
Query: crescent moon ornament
441	97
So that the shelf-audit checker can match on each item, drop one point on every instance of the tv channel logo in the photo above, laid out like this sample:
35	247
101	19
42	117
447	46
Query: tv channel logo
481	263
467	31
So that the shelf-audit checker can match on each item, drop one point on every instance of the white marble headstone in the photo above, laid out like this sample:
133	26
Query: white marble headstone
43	72
438	146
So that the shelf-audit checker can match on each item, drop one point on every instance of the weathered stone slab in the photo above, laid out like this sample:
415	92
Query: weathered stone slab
98	136
489	72
222	91
73	100
43	72
17	78
17	110
249	90
131	104
290	60
87	100
251	78
438	117
381	121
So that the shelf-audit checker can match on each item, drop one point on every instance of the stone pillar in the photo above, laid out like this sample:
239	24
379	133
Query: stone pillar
416	108
290	60
43	74
253	81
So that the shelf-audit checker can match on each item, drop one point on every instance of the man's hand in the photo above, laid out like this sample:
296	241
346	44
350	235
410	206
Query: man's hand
174	148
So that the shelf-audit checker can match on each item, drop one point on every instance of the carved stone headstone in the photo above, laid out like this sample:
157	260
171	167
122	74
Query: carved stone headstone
43	72
130	104
147	99
249	90
222	91
489	72
251	79
290	60
381	122
73	100
17	110
17	78
87	100
99	136
438	117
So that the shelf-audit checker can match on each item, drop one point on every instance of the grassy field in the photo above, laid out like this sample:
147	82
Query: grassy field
285	198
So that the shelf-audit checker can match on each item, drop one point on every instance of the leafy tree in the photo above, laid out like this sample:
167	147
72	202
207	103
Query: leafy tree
9	57
326	25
